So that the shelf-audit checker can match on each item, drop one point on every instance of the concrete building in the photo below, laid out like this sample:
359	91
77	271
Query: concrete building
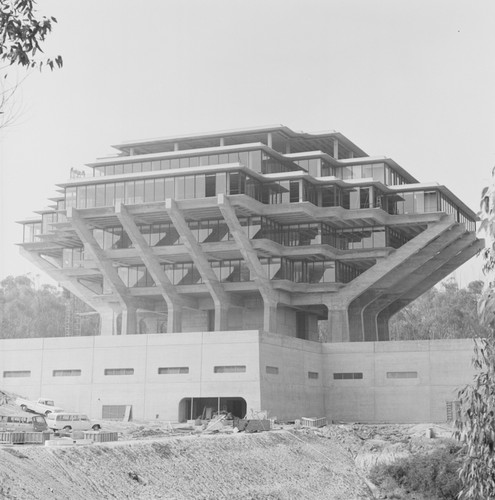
267	230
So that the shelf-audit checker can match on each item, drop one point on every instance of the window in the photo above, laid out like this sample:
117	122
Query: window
173	370
210	185
67	373
119	371
313	375
17	373
230	369
402	374
347	376
273	370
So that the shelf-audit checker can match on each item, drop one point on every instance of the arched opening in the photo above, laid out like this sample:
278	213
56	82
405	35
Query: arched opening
207	408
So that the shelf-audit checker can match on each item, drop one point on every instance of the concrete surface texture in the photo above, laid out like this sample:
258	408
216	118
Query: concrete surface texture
175	376
265	228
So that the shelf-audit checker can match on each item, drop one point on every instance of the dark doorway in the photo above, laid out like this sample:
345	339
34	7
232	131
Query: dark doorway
207	408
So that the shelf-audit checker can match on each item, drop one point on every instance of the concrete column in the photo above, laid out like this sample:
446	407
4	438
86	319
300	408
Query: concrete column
269	140
336	149
176	146
287	147
222	142
174	318
108	323
129	321
269	316
221	317
382	326
338	324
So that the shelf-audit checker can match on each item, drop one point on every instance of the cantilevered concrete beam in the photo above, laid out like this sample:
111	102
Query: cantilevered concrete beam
269	295
174	301
107	312
128	305
375	281
372	309
386	284
428	281
221	299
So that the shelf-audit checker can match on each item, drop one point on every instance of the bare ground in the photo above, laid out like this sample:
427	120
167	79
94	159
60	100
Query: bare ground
277	465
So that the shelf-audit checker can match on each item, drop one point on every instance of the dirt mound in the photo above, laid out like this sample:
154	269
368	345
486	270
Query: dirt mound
273	465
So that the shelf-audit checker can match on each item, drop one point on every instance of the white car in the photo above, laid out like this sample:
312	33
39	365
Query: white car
70	422
43	406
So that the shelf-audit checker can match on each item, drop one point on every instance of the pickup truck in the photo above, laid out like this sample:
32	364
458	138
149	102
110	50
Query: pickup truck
42	406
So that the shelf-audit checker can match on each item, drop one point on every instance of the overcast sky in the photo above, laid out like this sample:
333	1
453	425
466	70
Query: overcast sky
412	80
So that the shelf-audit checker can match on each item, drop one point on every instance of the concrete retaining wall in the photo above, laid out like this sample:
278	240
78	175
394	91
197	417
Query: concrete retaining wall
290	377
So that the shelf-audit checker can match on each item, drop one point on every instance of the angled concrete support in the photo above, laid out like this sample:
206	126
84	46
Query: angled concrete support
174	301
269	295
220	298
427	282
128	306
372	309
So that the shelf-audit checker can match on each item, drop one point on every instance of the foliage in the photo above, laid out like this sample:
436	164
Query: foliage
433	473
440	313
22	34
476	426
476	422
27	311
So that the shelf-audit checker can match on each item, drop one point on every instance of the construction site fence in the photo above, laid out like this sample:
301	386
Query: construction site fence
8	437
313	422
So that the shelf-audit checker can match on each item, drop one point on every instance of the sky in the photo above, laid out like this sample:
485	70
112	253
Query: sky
410	80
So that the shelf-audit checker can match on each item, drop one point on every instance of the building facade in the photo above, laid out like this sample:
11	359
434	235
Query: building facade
267	229
182	376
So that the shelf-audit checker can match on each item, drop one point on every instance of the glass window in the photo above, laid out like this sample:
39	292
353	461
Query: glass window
159	189
169	188
210	185
129	192
379	172
119	192
179	188
90	196
255	160
139	192
221	186
81	196
431	201
110	194
146	166
199	181
294	191
189	187
100	195
149	190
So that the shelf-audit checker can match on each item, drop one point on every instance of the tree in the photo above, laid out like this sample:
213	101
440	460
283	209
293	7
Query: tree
476	422
440	313
27	311
22	34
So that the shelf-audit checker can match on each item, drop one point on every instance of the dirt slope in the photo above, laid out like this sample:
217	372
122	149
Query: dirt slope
271	465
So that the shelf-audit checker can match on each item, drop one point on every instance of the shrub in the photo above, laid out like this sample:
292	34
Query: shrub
434	473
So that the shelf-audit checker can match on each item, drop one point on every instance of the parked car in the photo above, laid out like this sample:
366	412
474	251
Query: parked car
42	406
23	423
70	422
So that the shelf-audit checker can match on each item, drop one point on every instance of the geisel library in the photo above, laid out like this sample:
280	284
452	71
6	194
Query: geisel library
247	270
